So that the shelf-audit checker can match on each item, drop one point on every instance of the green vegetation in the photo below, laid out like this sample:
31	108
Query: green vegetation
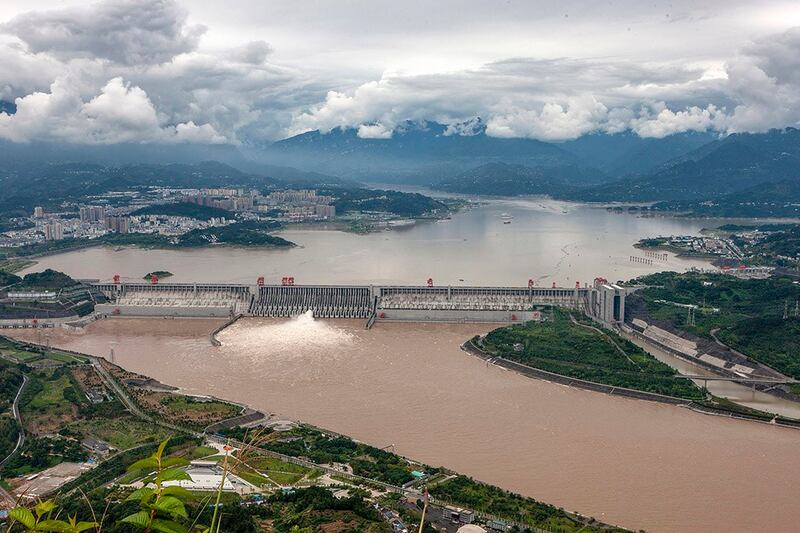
398	203
10	382
185	209
562	346
280	472
203	451
50	395
463	491
748	313
160	274
365	460
303	510
121	432
56	412
43	452
9	433
11	265
47	280
178	406
6	279
248	233
766	244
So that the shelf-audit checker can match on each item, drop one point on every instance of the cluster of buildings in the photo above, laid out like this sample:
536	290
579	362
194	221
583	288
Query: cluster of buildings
96	220
298	205
288	205
706	245
92	221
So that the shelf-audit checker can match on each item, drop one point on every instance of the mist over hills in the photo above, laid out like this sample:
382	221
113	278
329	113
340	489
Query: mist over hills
625	154
679	171
420	153
54	183
721	167
503	179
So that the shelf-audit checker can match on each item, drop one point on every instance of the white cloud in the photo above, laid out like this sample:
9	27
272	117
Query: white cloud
125	31
666	121
553	121
66	67
254	52
119	113
374	131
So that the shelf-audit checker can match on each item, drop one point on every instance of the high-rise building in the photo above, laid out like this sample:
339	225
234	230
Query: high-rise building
38	212
118	223
93	213
325	211
53	231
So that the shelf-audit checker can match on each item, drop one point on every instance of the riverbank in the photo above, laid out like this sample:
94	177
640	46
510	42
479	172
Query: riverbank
742	413
531	513
411	385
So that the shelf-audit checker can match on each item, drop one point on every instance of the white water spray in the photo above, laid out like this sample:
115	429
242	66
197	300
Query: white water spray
298	336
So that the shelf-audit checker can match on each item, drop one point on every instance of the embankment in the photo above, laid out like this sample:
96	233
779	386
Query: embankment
700	407
213	335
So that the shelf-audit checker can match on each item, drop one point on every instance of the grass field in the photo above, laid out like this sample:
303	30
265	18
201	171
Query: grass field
252	477
47	400
123	432
278	471
203	452
13	350
63	357
15	264
181	405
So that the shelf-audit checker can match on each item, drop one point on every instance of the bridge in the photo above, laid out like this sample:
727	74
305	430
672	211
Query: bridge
601	300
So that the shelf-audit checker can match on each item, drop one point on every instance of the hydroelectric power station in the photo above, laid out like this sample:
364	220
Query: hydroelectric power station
601	300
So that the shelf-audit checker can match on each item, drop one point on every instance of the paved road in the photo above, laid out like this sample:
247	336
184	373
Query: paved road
18	418
7	500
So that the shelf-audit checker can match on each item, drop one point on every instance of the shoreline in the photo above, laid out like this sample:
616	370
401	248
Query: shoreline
544	375
248	416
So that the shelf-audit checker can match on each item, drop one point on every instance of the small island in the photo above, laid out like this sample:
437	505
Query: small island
160	274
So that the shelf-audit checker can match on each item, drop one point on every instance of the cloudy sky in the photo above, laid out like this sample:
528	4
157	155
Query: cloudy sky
232	71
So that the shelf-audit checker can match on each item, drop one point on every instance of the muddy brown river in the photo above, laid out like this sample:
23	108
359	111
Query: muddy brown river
630	462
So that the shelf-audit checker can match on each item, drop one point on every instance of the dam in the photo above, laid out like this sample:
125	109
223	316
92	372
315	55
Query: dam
600	300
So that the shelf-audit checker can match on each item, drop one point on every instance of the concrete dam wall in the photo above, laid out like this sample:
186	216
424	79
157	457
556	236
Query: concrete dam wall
443	303
324	301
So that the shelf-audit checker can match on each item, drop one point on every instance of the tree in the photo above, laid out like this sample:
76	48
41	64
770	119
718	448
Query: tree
40	520
162	507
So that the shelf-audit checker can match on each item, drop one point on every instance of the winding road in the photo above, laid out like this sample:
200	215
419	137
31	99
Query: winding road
6	499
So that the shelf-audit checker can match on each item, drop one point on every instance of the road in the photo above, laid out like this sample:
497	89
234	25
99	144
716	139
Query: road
18	418
6	500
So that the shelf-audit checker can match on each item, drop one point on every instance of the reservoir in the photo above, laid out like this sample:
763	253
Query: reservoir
635	463
547	241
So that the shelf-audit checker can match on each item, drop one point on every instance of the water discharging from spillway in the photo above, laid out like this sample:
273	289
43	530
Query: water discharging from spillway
300	336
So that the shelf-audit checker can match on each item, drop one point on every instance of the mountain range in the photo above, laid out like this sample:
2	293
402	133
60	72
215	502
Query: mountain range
752	172
419	153
684	170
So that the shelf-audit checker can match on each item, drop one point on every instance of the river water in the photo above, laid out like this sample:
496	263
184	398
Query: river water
546	240
631	462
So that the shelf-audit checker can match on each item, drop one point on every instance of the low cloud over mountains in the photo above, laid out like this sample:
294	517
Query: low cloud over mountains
147	71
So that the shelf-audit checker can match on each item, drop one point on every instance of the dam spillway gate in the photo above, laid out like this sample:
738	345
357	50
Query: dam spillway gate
398	302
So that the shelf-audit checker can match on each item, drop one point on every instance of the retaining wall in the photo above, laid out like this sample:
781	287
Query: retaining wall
165	310
454	315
